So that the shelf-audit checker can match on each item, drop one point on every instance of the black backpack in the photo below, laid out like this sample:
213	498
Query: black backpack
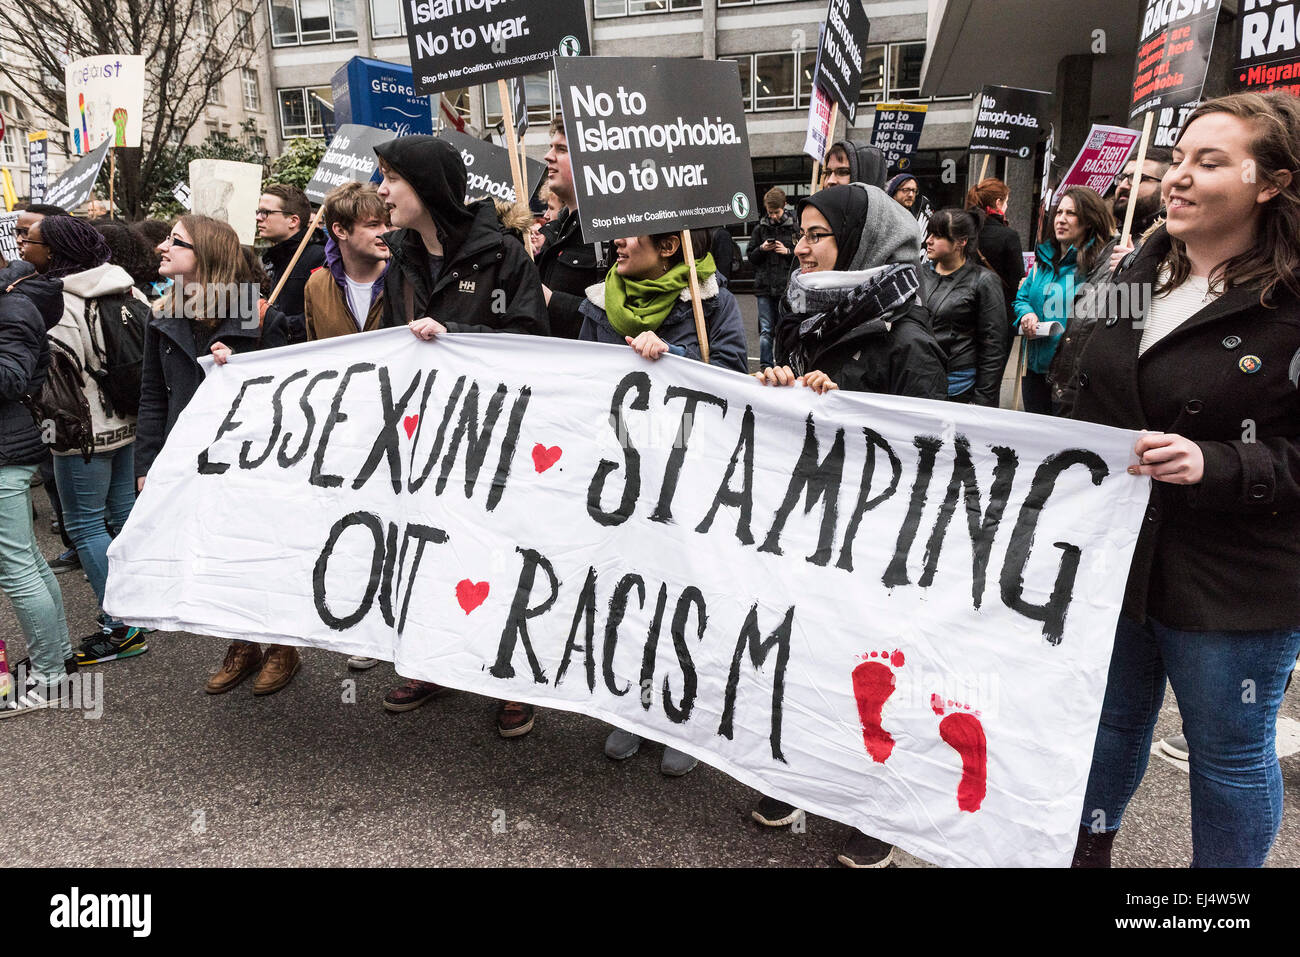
60	407
119	323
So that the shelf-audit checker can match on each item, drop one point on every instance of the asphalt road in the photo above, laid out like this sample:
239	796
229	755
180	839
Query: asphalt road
320	774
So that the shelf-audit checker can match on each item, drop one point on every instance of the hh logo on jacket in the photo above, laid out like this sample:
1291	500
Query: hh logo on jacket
467	285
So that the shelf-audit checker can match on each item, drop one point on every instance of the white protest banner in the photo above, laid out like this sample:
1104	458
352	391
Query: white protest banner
1103	155
9	238
350	157
892	612
74	187
105	101
228	191
457	43
38	164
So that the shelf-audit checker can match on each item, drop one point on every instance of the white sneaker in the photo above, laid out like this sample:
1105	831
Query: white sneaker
38	695
361	662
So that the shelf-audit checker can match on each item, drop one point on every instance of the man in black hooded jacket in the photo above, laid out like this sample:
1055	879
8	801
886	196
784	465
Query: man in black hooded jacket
283	217
452	268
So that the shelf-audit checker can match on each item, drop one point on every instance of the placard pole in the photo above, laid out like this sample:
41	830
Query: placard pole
830	138
697	305
984	169
306	238
512	145
1020	373
1125	236
112	177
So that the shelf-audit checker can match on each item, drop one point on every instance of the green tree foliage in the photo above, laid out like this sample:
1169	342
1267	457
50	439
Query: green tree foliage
295	166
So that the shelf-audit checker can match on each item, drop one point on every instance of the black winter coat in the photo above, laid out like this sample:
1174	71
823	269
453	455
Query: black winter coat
999	244
901	359
172	374
1223	554
568	265
290	299
968	319
486	284
30	306
771	269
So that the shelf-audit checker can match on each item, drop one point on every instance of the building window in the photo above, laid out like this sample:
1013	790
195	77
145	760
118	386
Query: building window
297	118
202	18
13	148
252	89
244	28
311	21
216	95
386	19
873	75
543	100
257	144
623	8
746	64
905	60
774	85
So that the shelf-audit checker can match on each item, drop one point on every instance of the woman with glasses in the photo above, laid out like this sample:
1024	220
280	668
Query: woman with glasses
1208	369
214	306
853	319
96	494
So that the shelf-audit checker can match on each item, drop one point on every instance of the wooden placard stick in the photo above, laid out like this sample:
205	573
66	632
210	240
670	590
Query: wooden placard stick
516	170
984	169
306	238
112	177
1125	236
697	304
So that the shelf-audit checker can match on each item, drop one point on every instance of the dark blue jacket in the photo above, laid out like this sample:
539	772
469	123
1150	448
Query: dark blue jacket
30	306
722	322
172	374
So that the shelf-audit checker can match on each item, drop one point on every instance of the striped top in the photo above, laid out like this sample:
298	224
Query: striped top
1170	310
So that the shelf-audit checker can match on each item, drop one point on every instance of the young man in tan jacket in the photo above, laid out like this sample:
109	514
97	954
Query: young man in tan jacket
345	295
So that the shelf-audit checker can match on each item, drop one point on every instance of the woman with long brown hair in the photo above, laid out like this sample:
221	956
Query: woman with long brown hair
1082	226
213	306
1208	368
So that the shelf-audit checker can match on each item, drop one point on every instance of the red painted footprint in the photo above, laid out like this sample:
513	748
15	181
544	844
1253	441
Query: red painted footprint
964	733
873	683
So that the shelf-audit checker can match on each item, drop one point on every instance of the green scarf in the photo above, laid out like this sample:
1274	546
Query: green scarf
639	305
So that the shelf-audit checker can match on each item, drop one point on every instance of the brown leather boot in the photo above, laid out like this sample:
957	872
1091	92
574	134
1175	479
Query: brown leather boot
243	658
282	662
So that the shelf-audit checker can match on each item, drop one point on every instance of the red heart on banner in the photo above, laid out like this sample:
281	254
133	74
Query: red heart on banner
471	594
409	423
544	458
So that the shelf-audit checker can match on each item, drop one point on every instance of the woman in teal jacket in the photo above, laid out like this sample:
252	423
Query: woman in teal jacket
1082	224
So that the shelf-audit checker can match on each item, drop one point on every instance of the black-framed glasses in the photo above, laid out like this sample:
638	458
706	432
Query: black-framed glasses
24	241
828	172
813	237
176	241
1128	178
263	213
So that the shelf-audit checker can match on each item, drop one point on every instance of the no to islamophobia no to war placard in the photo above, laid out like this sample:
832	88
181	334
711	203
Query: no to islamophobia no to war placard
457	43
656	145
893	612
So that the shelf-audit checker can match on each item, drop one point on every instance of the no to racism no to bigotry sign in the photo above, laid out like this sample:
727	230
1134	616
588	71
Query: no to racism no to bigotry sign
656	145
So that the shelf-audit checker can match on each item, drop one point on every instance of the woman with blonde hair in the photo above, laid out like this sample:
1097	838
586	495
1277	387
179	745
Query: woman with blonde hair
213	306
1208	369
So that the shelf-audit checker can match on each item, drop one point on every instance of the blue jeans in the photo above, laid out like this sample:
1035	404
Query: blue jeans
1229	687
94	493
767	313
26	578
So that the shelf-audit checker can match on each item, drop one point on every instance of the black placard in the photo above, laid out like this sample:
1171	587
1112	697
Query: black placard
897	132
75	186
1010	121
350	158
457	43
1267	49
841	54
656	145
1173	57
488	167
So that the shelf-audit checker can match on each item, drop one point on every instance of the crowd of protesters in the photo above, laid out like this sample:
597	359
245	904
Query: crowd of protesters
860	286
